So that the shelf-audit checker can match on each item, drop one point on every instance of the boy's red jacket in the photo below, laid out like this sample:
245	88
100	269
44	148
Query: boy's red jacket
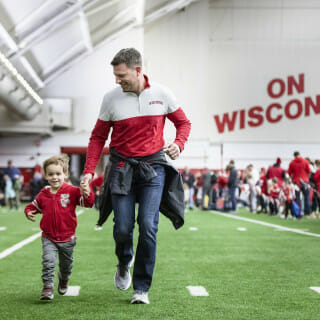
59	220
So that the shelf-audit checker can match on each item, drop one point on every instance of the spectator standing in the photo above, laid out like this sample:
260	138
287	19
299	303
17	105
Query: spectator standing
252	177
276	171
9	193
2	189
17	185
188	179
274	193
299	171
12	171
206	189
263	193
287	196
233	184
316	193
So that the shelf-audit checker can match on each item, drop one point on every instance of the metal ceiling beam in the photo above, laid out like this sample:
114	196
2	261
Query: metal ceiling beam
101	7
85	31
51	25
140	5
22	26
170	7
81	55
11	44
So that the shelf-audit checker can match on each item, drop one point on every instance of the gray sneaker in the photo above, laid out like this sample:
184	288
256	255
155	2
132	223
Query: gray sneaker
63	285
47	293
140	297
122	277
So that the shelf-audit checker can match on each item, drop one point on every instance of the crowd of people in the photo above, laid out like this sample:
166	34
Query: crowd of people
288	192
11	181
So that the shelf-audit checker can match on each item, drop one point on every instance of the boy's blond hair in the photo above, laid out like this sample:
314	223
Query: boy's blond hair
62	160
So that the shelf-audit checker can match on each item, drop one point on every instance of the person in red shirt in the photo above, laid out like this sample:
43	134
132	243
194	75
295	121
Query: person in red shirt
135	112
287	196
316	194
275	171
274	197
299	171
57	203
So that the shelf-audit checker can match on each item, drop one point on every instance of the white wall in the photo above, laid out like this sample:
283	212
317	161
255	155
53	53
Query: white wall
218	57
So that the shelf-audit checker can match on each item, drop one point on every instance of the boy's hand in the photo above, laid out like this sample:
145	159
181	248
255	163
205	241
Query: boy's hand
30	215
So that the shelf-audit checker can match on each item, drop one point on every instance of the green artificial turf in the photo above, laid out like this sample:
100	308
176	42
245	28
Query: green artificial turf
259	273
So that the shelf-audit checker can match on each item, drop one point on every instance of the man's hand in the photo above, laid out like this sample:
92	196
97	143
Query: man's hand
172	150
30	215
85	189
84	184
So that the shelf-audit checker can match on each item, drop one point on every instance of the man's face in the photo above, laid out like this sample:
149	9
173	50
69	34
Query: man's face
126	77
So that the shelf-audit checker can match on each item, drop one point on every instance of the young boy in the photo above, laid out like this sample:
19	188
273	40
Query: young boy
57	203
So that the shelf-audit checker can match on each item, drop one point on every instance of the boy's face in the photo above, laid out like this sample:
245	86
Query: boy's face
55	176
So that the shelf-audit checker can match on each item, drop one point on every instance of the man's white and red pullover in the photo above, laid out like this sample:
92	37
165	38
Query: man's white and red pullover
137	123
59	220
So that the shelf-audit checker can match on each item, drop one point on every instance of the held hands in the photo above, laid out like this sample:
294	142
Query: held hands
30	215
172	150
84	185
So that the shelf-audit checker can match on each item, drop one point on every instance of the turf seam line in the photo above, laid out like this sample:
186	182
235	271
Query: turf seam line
266	224
24	242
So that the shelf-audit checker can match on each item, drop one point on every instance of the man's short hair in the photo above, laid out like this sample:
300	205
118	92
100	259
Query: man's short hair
131	57
296	154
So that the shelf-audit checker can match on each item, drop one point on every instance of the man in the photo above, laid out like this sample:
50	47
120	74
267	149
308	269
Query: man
206	189
188	179
275	171
138	171
12	171
299	171
232	184
252	176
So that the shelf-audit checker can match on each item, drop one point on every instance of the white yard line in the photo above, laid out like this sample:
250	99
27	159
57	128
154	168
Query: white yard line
19	245
266	224
316	289
198	291
3	228
72	291
22	243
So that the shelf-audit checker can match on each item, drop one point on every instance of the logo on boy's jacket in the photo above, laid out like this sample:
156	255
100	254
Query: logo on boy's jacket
65	199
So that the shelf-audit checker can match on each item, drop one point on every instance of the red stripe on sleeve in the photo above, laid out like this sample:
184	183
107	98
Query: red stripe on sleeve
183	126
97	141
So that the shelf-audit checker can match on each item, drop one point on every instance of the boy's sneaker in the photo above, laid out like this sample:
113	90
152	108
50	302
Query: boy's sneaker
140	297
47	293
122	277
63	285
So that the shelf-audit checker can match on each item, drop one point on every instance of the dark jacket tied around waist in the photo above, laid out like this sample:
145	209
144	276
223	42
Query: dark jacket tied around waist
118	179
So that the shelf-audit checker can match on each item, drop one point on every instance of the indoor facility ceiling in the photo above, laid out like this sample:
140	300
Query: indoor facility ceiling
43	38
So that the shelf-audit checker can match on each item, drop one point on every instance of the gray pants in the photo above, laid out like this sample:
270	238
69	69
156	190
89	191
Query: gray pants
49	258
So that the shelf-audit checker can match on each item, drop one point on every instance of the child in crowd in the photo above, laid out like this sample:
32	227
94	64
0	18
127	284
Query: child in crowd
287	195
57	203
274	192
